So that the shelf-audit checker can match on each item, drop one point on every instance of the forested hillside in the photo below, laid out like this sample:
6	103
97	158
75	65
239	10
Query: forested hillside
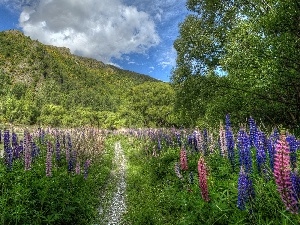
47	85
239	57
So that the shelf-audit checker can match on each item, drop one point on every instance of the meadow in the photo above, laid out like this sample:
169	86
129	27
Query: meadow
229	175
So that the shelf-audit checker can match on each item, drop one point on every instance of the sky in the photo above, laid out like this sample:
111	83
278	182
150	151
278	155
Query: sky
135	35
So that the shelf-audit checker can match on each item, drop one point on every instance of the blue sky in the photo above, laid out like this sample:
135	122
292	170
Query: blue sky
135	35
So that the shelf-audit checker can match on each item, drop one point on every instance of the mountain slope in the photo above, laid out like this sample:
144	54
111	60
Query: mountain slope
49	85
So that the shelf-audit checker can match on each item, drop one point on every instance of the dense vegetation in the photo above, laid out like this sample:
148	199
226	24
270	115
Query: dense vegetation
239	57
47	85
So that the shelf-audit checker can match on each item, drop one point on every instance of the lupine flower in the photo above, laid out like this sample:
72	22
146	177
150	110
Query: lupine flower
35	150
229	141
69	148
245	189
14	139
222	141
296	184
282	174
243	145
292	141
27	150
183	159
177	171
253	132
86	167
271	147
77	168
57	148
260	151
72	161
49	160
8	154
202	173
158	144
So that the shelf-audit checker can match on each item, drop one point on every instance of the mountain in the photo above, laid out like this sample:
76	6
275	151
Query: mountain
47	85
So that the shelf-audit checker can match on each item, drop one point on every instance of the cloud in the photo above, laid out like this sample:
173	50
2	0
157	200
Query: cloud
168	58
103	29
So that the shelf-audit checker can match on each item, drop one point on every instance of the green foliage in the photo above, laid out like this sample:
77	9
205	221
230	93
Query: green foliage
253	49
157	196
29	197
61	89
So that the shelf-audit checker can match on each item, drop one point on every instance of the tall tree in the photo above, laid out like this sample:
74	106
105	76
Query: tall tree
254	45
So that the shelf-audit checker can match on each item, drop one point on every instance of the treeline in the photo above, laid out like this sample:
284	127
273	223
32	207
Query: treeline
46	85
239	57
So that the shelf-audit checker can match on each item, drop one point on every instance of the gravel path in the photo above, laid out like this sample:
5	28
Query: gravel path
117	206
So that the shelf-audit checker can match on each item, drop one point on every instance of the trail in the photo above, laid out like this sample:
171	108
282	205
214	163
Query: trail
117	206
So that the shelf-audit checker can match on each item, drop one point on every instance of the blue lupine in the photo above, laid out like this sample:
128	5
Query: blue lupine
296	185
229	140
245	190
35	150
293	148
159	144
260	151
243	145
253	132
14	139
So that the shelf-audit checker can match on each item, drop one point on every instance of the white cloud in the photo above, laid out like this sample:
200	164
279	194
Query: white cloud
99	29
168	58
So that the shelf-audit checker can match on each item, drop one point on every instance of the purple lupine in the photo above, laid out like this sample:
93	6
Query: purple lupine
35	150
229	141
7	150
72	161
243	145
177	170
296	185
49	160
8	154
27	150
245	190
77	168
253	132
282	174
260	151
292	141
68	148
86	167
14	139
57	149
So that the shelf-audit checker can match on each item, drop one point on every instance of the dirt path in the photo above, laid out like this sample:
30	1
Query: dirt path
117	206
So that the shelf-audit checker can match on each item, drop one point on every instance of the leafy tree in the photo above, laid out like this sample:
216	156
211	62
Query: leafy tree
251	49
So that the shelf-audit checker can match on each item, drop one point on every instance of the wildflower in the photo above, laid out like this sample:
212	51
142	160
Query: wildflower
202	173
295	179
177	171
260	151
27	150
293	148
57	148
253	132
245	189
243	145
49	160
229	141
183	159
282	174
77	168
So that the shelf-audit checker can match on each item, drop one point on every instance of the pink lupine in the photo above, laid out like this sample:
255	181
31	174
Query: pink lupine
282	174
49	160
202	173
183	160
